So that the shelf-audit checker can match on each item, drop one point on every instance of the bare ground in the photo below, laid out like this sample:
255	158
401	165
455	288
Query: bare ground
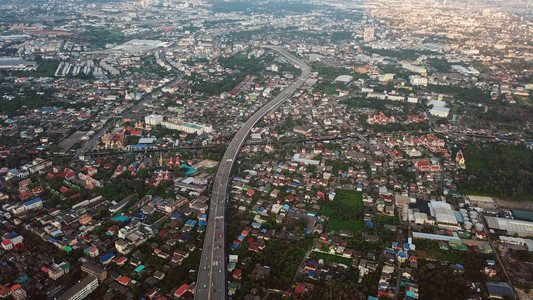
523	205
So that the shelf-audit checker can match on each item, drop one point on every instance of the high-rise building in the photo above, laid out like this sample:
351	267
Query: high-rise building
368	34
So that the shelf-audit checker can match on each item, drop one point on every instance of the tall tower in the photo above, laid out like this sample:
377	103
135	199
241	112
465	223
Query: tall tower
368	34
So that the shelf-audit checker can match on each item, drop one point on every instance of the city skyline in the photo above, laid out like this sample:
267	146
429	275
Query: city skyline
194	149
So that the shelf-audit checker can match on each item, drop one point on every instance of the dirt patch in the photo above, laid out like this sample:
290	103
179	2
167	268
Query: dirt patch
523	296
520	272
523	205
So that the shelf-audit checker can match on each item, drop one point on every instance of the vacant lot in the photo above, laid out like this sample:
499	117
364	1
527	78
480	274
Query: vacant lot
345	211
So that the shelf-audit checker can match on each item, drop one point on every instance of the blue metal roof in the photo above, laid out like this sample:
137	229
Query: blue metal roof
436	237
138	146
499	288
191	223
107	257
256	225
33	201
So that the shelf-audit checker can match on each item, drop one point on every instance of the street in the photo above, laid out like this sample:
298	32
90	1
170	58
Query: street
211	283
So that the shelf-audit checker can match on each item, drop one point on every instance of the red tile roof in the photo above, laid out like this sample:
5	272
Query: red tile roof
124	280
300	289
182	289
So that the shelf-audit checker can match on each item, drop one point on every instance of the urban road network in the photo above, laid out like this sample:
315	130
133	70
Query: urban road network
95	139
211	282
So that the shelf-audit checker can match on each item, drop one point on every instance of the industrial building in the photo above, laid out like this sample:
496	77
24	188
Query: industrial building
16	63
444	215
439	109
511	226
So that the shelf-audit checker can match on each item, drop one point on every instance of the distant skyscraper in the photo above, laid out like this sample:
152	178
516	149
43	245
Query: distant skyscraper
368	34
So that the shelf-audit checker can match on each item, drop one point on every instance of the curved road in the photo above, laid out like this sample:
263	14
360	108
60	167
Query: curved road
211	282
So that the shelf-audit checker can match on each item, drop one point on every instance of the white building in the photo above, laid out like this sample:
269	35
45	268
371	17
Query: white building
418	80
465	71
56	271
377	96
307	161
439	109
81	290
153	119
344	78
386	77
122	246
7	245
16	63
512	226
412	99
188	127
443	214
395	97
413	68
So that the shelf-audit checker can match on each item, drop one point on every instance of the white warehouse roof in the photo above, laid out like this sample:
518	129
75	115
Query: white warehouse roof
442	212
510	225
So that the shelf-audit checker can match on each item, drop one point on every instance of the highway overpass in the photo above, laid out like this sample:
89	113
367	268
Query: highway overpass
211	282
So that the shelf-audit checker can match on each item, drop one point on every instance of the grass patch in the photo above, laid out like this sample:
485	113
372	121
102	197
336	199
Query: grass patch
345	211
455	109
336	224
430	249
440	65
46	68
99	38
330	258
392	220
350	199
152	69
474	94
341	36
329	73
329	88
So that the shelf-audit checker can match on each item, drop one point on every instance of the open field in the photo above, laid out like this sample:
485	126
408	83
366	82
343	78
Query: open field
345	212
